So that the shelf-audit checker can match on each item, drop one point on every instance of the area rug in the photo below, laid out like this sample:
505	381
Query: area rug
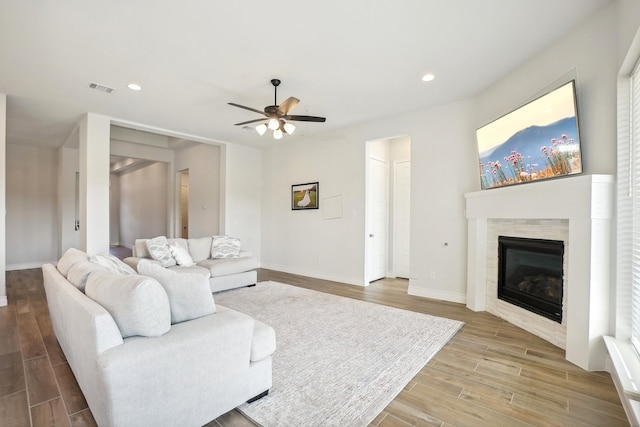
339	361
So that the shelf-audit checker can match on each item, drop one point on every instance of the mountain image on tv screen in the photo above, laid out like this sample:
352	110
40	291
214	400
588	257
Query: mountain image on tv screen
537	141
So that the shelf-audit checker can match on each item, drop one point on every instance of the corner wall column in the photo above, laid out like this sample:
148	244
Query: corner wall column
477	264
94	151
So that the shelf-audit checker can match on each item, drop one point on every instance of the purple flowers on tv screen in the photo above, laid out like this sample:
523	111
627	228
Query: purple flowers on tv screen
539	140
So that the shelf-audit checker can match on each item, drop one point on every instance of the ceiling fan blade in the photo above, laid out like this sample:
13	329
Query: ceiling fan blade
249	121
288	105
306	118
247	108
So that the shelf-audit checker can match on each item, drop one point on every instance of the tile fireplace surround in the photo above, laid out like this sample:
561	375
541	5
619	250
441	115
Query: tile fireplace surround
585	203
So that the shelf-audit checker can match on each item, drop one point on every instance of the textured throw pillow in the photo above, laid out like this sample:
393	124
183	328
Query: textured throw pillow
225	247
189	294
138	304
181	255
159	250
113	263
71	256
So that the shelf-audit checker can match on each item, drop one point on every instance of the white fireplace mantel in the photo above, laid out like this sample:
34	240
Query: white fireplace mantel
586	201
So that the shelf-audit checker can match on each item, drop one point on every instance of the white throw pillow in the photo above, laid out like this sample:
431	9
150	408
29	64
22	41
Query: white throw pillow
113	263
189	294
159	250
225	247
138	304
181	255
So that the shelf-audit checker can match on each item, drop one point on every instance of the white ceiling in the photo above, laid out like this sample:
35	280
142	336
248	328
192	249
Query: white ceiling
351	61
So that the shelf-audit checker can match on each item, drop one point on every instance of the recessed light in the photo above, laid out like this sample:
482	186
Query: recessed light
428	77
134	86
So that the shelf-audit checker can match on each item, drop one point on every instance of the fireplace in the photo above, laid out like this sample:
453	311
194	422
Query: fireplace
530	274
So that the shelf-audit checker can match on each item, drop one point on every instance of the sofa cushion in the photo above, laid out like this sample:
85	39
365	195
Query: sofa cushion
189	294
70	257
113	263
200	248
138	304
224	267
181	255
80	271
225	247
159	249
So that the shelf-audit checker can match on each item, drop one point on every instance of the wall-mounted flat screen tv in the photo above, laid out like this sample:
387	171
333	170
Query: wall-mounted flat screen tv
539	140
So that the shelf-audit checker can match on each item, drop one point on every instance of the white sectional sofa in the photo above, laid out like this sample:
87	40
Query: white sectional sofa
134	365
223	273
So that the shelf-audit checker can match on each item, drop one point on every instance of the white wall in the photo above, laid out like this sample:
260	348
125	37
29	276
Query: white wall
443	168
203	162
143	203
589	55
243	189
31	198
3	162
628	25
300	241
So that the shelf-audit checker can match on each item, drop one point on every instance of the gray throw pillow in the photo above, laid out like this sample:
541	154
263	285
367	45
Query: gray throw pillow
189	294
138	304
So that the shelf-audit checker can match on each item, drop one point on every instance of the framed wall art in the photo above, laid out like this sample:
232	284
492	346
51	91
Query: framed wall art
304	196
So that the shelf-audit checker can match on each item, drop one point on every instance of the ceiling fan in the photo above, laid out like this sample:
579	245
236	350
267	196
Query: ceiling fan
276	115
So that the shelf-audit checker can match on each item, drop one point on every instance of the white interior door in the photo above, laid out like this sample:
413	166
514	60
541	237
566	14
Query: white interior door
378	219
402	216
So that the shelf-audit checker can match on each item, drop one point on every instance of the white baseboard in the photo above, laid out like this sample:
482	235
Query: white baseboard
437	294
4	301
314	274
28	265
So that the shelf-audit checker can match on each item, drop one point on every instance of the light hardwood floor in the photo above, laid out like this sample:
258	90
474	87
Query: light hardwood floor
490	374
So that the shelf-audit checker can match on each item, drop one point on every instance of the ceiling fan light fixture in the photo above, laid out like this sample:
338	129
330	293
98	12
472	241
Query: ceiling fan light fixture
273	124
261	129
289	128
276	114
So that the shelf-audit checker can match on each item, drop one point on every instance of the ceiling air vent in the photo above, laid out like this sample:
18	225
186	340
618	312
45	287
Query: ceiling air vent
101	88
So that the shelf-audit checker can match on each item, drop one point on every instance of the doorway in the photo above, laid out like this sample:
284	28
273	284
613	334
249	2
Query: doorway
184	203
388	206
